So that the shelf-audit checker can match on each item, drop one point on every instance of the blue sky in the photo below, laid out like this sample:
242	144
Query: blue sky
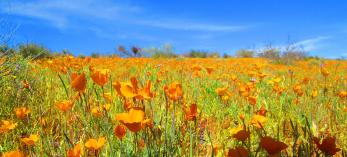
85	26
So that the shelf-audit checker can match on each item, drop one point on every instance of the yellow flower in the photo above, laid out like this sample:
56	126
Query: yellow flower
7	126
31	140
76	151
22	112
14	153
258	121
95	144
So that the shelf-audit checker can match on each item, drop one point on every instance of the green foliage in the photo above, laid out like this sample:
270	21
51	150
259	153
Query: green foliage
244	53
270	53
5	49
13	70
95	55
166	51
197	54
34	51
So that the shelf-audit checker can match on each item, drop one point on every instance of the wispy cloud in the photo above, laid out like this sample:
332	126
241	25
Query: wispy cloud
60	14
309	45
313	43
192	26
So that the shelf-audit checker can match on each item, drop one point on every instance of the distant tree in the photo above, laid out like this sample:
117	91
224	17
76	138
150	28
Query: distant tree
270	53
244	53
33	50
82	56
166	51
197	54
5	49
225	55
214	54
95	55
136	51
66	52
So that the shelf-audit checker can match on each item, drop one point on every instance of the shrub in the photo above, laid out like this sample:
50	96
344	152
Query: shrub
271	53
197	54
33	51
244	53
166	51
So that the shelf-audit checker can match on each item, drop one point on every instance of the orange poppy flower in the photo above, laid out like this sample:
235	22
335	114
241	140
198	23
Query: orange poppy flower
324	72
31	140
221	91
131	90
277	80
127	105
108	97
234	130
100	77
95	144
174	91
262	111
209	70
238	152
192	112
76	151
196	68
244	91
242	117
258	121
120	131
7	126
97	111
327	146
342	94
134	120
233	78
252	100
26	84
22	112
64	106
124	89
298	90
141	144
145	93
78	82
14	153
314	93
272	147
242	135
261	75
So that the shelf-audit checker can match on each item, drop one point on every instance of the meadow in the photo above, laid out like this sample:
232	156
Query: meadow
109	106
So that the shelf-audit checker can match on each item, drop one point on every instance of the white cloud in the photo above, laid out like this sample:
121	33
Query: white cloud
192	26
306	45
61	12
312	44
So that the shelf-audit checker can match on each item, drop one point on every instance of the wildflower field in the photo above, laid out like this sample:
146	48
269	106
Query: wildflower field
67	106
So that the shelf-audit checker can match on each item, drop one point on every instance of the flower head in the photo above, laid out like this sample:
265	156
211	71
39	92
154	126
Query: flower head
22	112
78	82
31	140
95	144
272	147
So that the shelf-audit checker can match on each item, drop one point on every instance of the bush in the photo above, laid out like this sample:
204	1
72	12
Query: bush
197	54
214	55
243	53
33	51
95	55
4	49
271	53
166	51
